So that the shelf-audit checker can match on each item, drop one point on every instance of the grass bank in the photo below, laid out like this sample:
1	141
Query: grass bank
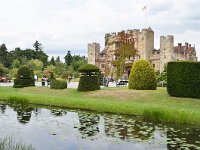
154	105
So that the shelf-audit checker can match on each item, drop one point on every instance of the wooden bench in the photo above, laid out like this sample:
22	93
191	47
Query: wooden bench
122	82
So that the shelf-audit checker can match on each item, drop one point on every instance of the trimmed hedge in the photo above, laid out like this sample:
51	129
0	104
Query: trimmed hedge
89	69
183	79
19	83
142	76
24	78
88	83
58	84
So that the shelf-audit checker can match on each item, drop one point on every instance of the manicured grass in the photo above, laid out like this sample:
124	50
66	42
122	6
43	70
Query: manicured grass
154	105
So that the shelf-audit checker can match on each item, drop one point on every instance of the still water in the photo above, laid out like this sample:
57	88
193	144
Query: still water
61	129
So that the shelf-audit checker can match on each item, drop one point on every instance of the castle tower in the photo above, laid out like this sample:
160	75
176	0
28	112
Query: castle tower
166	50
144	42
93	53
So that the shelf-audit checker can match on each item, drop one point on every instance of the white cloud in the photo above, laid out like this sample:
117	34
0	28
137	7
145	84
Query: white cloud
64	25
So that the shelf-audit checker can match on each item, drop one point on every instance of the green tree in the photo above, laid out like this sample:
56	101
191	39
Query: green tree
35	64
37	46
58	59
68	58
52	61
4	56
60	68
16	64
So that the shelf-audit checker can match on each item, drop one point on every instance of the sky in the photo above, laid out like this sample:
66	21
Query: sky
69	25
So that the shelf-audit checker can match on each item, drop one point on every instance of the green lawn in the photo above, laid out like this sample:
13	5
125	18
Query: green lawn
154	105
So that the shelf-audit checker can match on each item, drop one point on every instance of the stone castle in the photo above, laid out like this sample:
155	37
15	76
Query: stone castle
144	46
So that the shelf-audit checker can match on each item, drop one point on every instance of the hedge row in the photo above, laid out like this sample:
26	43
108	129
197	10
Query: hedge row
19	83
183	79
58	84
88	83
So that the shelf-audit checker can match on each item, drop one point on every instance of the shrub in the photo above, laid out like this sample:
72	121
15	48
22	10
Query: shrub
89	69
183	79
24	72
142	76
24	78
58	84
18	83
88	83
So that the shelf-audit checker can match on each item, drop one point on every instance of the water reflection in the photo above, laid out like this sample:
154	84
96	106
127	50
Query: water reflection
3	108
23	111
183	138
88	124
85	128
127	128
58	112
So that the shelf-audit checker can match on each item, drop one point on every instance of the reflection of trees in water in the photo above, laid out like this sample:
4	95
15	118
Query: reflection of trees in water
88	124
122	127
180	137
58	112
23	112
3	108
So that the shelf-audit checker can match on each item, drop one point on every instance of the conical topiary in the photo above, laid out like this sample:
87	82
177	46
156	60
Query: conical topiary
142	76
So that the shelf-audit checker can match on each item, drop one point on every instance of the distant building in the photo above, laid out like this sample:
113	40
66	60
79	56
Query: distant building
144	46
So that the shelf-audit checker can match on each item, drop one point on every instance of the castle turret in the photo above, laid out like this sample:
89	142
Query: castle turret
93	53
166	50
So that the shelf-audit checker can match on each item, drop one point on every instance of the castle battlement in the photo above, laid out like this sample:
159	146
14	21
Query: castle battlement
144	45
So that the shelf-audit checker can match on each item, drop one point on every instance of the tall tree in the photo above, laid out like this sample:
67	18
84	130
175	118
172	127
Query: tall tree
4	56
37	46
58	59
52	61
68	58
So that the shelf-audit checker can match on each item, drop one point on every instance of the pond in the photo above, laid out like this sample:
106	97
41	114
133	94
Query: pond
62	129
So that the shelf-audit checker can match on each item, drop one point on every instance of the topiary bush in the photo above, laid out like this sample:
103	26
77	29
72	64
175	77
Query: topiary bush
24	78
19	83
183	79
142	76
89	69
58	84
88	83
24	72
89	80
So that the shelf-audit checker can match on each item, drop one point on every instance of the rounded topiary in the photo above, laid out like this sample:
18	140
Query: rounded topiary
24	78
24	72
142	76
89	69
89	80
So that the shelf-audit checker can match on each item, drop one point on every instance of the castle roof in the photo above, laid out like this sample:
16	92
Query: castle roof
102	52
184	48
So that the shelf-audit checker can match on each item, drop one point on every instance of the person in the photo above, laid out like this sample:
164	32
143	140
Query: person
36	78
69	78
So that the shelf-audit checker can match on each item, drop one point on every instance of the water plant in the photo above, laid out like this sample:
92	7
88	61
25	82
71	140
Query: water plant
9	144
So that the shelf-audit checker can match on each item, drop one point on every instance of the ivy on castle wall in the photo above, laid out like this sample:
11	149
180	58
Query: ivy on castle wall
126	50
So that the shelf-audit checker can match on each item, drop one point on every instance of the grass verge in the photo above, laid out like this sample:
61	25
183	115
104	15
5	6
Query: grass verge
154	105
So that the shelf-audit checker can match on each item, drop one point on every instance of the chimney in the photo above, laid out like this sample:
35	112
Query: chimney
179	47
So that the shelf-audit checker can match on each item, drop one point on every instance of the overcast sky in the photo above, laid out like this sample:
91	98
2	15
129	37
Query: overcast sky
62	25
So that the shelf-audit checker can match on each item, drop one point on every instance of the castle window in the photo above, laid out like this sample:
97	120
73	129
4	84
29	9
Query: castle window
102	66
154	65
117	45
90	53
